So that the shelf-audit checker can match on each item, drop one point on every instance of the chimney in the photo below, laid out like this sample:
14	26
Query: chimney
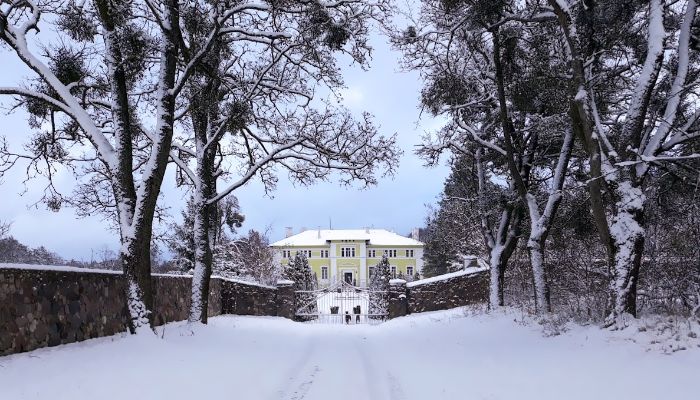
288	231
415	234
318	234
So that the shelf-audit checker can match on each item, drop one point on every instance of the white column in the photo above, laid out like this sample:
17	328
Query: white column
334	264
363	265
419	260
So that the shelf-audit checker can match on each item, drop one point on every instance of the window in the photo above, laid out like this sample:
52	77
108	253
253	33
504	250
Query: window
324	253
372	253
393	271
347	252
390	253
371	272
324	272
286	254
409	271
409	253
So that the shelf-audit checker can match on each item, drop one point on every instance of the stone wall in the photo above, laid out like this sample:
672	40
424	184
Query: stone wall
47	307
243	298
448	291
172	296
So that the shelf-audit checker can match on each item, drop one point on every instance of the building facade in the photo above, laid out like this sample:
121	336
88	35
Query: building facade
351	254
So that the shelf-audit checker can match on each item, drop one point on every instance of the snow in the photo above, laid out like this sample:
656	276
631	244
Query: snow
444	355
245	282
320	237
397	281
61	268
64	268
466	271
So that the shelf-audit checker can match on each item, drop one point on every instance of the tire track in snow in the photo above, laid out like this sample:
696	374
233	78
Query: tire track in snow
303	388
293	389
370	372
395	389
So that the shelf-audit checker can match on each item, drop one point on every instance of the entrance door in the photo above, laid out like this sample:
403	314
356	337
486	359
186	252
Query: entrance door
347	277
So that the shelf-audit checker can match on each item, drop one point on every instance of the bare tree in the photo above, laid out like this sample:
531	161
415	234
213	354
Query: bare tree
5	228
252	111
97	104
104	100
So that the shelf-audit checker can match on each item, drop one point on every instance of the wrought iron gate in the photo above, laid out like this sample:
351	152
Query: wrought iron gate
342	303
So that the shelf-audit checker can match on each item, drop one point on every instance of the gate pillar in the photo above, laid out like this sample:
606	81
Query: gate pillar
285	299
398	301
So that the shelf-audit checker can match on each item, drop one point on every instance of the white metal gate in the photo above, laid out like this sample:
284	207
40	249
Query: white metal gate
342	303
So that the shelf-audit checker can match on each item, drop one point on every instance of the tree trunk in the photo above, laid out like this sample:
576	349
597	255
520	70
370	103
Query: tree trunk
627	235
535	245
202	260
204	114
498	268
504	243
136	264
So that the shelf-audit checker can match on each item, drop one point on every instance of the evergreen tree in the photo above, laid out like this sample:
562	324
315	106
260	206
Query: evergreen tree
299	271
453	230
379	289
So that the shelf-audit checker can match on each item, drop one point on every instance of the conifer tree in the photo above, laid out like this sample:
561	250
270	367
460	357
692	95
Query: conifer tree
379	288
299	271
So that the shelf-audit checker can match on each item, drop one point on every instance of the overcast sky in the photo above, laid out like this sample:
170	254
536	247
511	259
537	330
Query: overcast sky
397	204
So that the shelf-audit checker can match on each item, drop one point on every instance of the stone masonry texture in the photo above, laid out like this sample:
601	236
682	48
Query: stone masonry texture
40	308
449	293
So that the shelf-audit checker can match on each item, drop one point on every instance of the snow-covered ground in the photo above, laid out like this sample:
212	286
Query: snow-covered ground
442	355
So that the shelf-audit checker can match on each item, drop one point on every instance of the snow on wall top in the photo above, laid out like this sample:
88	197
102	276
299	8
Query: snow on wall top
62	268
466	271
377	237
242	281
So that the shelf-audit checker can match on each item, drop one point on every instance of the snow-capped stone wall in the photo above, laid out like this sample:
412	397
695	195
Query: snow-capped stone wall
44	306
243	298
448	291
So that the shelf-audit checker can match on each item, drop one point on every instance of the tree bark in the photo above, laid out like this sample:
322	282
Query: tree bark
627	234
136	263
205	113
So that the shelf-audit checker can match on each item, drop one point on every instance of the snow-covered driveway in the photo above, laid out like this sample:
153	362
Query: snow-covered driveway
443	355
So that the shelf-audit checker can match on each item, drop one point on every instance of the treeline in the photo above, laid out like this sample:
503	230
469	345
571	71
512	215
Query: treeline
573	140
12	251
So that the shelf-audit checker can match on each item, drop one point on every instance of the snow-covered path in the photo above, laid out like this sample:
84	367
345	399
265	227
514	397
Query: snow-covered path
443	355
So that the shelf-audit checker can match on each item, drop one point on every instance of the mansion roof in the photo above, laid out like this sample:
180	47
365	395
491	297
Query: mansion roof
321	237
